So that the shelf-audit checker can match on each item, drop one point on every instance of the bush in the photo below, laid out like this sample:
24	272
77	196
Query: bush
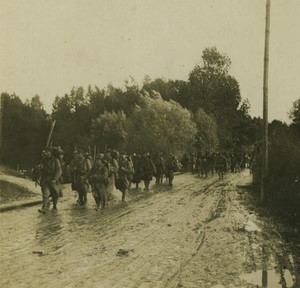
284	163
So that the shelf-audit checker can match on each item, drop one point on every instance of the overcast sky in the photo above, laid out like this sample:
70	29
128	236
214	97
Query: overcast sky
47	47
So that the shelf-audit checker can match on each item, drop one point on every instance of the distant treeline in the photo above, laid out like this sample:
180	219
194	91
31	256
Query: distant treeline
204	113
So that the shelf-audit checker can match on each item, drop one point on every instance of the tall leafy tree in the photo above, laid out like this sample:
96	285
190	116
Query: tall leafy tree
24	131
217	92
38	123
96	98
122	100
295	112
206	138
177	90
295	117
109	130
73	119
159	125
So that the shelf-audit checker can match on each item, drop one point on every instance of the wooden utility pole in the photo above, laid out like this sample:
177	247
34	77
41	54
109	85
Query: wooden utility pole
264	170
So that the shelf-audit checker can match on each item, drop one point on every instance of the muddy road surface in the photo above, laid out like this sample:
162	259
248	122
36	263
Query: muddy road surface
198	233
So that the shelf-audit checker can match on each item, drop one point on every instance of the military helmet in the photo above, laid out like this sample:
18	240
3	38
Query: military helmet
57	151
115	153
47	152
100	156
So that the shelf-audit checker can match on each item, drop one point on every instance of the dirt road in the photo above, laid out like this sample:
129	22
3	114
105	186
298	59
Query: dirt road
199	233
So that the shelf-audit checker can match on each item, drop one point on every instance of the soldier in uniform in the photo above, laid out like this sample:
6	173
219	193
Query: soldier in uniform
160	168
71	171
193	161
148	169
131	168
125	169
137	167
50	173
185	161
199	164
205	164
221	164
211	163
98	176
171	167
246	159
112	162
80	167
59	154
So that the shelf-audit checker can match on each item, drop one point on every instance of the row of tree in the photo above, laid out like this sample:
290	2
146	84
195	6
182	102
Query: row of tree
204	113
145	118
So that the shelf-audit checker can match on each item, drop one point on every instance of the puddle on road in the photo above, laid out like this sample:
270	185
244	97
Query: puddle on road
267	276
269	279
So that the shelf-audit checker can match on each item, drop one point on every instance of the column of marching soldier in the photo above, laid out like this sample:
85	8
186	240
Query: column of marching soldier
110	170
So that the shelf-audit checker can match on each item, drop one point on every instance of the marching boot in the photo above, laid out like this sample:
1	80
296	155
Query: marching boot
146	185
42	210
54	204
123	195
97	200
45	206
84	198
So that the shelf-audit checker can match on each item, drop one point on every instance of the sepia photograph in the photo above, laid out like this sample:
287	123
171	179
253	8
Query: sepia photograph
150	144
